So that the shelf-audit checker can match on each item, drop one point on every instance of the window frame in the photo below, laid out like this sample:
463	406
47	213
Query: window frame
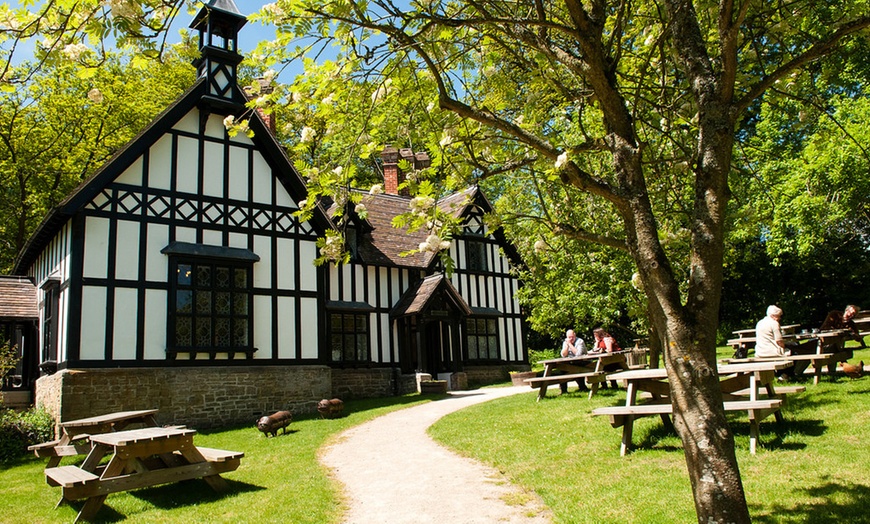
476	256
231	313
490	336
359	332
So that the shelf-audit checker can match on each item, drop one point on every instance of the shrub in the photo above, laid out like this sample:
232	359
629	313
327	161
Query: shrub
537	356
21	429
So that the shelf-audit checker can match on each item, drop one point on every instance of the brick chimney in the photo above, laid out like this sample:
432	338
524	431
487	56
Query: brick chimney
393	176
266	88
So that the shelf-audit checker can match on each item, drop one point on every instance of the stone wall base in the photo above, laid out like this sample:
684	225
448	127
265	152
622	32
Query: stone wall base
208	397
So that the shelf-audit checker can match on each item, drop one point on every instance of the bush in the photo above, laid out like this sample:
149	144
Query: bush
537	356
21	429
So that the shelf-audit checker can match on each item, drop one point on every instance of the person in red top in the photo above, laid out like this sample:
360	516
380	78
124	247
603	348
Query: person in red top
604	342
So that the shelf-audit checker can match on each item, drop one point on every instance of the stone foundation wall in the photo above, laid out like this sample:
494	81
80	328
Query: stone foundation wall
363	383
199	397
485	375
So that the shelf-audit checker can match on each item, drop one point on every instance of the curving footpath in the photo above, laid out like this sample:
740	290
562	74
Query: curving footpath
394	473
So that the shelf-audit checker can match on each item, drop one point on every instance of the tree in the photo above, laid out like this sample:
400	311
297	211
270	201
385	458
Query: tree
634	104
62	125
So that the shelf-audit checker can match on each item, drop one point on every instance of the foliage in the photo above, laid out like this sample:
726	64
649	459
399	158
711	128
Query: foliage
536	356
58	128
21	429
8	356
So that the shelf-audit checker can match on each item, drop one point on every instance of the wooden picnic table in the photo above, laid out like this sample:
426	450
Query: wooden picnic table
588	367
755	380
139	458
74	433
832	338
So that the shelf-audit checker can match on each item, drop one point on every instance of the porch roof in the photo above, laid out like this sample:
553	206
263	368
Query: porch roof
18	298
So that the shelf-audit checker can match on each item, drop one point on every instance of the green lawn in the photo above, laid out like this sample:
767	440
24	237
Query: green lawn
280	480
812	469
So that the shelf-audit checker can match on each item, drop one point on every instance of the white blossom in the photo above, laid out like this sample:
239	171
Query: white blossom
376	189
379	94
562	160
332	248
360	209
124	8
303	203
75	51
433	244
446	139
421	204
329	99
273	9
636	282
296	96
430	107
95	96
308	134
540	246
338	170
229	121
269	75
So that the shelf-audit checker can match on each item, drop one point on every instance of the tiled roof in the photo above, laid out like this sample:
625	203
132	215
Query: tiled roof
417	297
17	298
383	243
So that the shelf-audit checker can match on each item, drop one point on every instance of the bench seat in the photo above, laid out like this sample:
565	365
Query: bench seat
593	377
624	416
219	455
68	476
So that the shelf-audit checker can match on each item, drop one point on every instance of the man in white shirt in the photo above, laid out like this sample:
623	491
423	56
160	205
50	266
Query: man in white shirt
768	335
573	346
769	343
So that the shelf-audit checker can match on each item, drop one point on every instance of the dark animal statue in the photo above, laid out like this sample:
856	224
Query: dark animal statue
330	408
274	422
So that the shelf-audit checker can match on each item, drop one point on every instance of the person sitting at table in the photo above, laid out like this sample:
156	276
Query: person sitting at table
843	320
769	343
573	346
605	343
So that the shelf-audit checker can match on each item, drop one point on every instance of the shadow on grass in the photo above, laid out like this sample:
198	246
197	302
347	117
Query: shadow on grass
166	497
771	434
841	502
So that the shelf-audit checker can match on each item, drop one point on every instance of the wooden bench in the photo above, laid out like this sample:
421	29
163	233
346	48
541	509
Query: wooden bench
593	377
220	455
625	415
817	360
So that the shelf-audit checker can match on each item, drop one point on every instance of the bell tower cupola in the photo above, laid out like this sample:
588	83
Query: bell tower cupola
218	23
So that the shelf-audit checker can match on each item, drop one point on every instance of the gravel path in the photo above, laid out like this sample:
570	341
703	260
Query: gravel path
394	473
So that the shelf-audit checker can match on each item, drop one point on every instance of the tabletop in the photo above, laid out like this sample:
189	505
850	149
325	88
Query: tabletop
584	358
108	418
135	436
724	369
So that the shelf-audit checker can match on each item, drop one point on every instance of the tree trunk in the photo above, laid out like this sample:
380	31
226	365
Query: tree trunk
699	420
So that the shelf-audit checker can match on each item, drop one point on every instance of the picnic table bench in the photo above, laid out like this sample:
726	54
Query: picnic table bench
74	433
588	367
139	458
736	380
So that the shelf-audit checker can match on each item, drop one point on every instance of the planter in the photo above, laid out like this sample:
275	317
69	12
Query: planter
517	377
433	387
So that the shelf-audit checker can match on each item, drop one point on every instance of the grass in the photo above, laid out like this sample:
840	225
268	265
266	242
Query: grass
279	480
811	469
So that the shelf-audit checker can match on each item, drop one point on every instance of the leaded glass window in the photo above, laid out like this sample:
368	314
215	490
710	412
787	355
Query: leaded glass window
349	337
482	338
210	307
